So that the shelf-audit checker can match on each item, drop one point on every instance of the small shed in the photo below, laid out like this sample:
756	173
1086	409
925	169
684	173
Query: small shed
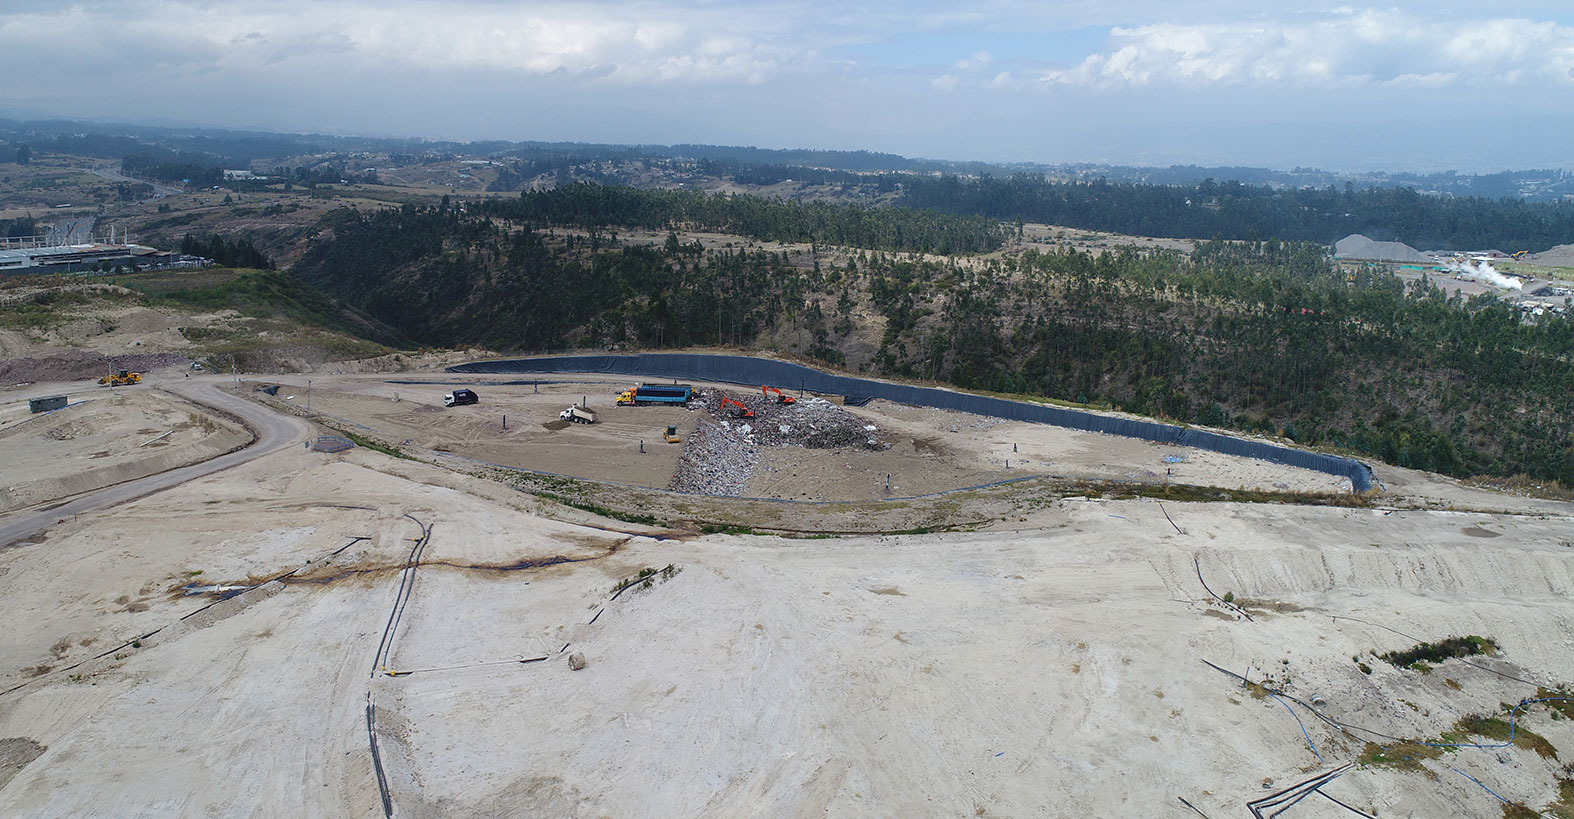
53	402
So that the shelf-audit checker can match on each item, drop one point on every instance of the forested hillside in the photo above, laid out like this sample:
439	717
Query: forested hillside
1261	336
1234	211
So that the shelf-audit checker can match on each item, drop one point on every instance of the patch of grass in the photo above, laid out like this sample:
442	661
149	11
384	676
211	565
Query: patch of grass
726	529
371	443
1188	493
1562	702
1402	756
267	294
1498	729
598	509
646	578
1425	653
1564	807
1514	810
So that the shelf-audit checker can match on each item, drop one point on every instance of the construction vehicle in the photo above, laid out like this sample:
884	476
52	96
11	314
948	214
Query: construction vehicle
672	435
121	379
578	414
1516	256
740	412
781	398
656	394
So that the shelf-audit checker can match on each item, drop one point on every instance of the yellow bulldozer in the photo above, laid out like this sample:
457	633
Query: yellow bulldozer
121	379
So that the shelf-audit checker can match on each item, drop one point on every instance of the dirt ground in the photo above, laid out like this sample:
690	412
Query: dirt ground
931	450
1055	669
103	437
242	642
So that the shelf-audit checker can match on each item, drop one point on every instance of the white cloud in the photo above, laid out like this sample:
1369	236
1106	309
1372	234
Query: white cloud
627	43
1346	47
978	60
944	82
1004	81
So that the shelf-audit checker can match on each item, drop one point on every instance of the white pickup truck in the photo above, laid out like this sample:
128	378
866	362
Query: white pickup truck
578	415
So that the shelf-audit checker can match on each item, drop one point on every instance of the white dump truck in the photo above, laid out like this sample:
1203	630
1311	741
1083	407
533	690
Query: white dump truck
578	414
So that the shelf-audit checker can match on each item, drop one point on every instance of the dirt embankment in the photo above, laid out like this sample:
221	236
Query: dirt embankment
83	366
102	439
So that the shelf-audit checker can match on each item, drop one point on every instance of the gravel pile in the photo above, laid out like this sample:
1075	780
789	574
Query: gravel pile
1560	256
716	460
83	366
1356	246
808	422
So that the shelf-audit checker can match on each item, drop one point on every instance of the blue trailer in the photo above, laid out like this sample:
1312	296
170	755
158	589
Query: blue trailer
656	394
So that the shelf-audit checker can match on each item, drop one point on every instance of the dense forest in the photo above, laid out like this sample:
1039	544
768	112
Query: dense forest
19	227
1262	336
226	252
587	206
1231	210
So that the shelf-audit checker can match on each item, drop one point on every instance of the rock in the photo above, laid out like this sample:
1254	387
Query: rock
576	661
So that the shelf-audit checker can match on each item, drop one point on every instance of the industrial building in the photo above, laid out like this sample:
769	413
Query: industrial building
75	258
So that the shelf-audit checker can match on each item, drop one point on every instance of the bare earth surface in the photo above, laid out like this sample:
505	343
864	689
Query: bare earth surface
1049	663
103	438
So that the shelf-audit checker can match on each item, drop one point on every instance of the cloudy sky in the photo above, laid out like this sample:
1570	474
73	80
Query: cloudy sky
1407	86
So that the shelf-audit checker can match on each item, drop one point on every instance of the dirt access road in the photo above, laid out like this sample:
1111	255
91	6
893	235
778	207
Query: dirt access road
273	432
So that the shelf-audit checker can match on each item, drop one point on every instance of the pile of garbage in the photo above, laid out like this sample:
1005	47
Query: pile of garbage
809	422
715	461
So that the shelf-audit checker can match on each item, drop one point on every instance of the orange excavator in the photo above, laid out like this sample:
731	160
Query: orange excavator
740	412
781	398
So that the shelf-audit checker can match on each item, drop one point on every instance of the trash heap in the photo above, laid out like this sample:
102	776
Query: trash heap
814	423
715	461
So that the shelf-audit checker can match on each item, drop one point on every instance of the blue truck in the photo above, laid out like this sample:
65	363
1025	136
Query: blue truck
656	394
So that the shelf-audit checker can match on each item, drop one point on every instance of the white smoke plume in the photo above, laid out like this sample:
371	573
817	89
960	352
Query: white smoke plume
1485	273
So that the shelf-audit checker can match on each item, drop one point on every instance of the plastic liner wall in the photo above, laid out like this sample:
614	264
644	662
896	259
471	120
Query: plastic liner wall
729	369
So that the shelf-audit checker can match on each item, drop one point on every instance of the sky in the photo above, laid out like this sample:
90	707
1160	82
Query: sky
1420	86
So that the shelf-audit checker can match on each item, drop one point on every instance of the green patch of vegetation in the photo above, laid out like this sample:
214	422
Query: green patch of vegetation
371	443
1515	810
1426	653
1404	756
726	529
263	294
1561	702
1501	730
1564	807
48	308
646	578
1189	493
598	509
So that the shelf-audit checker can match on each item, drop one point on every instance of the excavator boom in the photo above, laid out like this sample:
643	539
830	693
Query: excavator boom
781	398
740	412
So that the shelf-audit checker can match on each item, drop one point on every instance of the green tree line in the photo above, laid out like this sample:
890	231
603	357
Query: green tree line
588	205
1231	210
